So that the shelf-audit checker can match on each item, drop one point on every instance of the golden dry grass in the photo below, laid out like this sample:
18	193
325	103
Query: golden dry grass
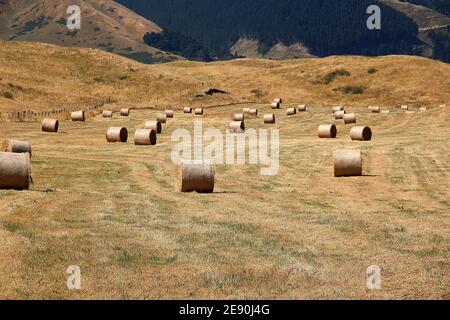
113	210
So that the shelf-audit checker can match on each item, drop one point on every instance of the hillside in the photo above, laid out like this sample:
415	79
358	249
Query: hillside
71	78
105	25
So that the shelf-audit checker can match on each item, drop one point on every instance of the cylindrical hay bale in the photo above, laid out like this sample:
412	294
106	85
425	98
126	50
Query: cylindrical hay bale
169	113
376	109
339	115
301	108
361	133
252	112
423	109
50	125
154	125
237	117
269	118
15	171
275	105
196	176
145	137
245	110
442	105
107	114
187	110
117	134
385	111
125	112
161	117
16	146
337	108
404	107
236	127
77	116
278	100
291	111
327	131
347	163
198	111
349	118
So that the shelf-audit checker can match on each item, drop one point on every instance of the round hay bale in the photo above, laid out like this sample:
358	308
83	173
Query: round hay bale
291	111
237	117
442	105
337	108
253	112
327	131
347	162
198	111
301	108
404	107
196	176
50	125
77	116
187	110
107	114
16	146
169	113
385	111
269	118
153	125
246	110
15	171
117	134
361	133
349	118
236	127
339	115
161	117
376	109
145	137
125	112
423	109
278	100
275	105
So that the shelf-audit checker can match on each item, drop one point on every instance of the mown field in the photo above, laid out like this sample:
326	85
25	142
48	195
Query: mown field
113	210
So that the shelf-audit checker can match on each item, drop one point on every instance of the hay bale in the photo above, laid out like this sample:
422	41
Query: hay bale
327	131
361	133
278	100
423	109
107	114
376	109
236	127
125	112
187	110
117	134
169	113
153	125
145	137
77	116
442	105
237	117
16	146
252	112
349	118
198	111
245	110
269	118
291	111
301	108
196	176
339	115
337	108
404	107
50	125
161	117
275	105
15	171
347	162
385	111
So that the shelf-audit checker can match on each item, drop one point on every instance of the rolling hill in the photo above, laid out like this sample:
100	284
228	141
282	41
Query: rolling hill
105	24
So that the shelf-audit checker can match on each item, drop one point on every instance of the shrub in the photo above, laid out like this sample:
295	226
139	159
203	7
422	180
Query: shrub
329	77
372	71
353	90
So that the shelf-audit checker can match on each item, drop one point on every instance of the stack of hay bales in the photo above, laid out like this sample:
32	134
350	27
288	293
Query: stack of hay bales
117	134
50	125
77	116
196	176
161	117
302	108
16	146
347	162
198	112
361	133
15	171
125	112
169	113
236	127
187	110
327	131
107	114
145	137
291	111
349	118
269	118
153	125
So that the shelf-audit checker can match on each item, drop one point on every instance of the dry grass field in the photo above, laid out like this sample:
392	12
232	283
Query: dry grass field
113	210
